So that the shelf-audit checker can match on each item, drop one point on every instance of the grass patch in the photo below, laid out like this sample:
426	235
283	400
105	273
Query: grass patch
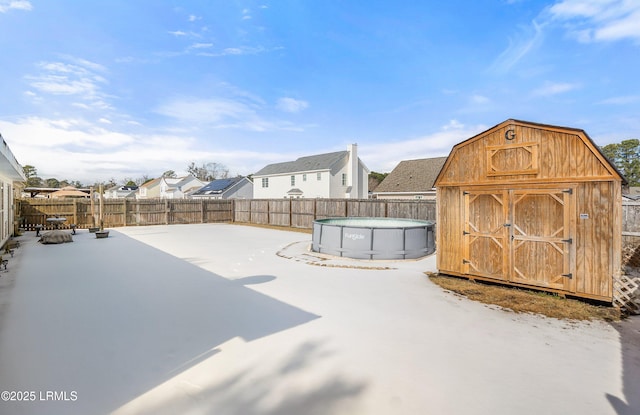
527	301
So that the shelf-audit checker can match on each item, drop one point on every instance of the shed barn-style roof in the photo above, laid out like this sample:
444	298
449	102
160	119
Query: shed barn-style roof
572	166
308	163
412	176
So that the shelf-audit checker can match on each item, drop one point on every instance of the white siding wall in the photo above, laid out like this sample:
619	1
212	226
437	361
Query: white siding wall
244	190
6	209
12	172
280	185
337	189
363	187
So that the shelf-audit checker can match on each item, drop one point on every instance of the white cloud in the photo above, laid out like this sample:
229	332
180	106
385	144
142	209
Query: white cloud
622	100
6	5
205	111
60	78
384	157
178	33
554	88
291	105
599	20
237	109
201	46
527	40
479	99
244	50
75	150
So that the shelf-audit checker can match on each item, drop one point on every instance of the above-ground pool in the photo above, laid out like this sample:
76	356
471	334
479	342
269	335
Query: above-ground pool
374	238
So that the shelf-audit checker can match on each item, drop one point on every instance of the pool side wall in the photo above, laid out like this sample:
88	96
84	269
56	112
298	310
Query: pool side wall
370	242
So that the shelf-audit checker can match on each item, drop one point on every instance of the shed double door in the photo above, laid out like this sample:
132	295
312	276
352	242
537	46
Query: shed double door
520	235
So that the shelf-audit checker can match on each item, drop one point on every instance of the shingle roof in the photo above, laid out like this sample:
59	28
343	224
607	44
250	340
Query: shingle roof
152	182
412	176
308	163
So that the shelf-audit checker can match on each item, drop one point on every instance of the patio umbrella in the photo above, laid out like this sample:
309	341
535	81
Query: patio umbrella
68	191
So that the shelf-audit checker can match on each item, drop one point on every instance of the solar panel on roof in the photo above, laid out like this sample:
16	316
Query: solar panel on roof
219	184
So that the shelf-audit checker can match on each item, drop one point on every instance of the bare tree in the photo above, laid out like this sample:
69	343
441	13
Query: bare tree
208	171
143	179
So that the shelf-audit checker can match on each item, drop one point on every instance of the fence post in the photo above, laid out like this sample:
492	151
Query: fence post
166	211
124	220
93	209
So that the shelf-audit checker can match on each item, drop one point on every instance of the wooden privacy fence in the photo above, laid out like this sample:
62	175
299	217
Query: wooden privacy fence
85	214
631	217
300	213
631	233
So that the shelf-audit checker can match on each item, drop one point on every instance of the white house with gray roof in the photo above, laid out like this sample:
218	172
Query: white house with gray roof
332	175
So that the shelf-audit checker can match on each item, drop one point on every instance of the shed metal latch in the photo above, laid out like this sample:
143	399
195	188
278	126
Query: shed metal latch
465	233
570	191
464	261
569	275
465	193
569	241
507	225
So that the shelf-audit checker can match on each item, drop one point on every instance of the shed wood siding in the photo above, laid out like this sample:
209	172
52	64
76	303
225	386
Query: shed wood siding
532	205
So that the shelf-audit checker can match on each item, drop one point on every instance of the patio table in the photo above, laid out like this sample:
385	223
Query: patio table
57	221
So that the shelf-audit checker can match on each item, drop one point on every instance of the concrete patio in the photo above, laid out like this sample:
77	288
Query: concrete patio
230	319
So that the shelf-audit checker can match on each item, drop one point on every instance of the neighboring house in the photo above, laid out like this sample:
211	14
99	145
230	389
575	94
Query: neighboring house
169	188
233	188
12	179
149	190
333	175
411	179
121	192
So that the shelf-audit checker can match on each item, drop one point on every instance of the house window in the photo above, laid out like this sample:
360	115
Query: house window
304	177
265	182
319	177
344	179
293	180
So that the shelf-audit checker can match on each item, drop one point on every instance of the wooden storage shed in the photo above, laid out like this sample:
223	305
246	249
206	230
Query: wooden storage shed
531	205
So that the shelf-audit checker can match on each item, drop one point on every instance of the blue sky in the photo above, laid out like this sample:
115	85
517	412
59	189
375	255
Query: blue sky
94	90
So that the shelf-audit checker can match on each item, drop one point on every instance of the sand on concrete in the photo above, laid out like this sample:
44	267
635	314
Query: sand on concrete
229	319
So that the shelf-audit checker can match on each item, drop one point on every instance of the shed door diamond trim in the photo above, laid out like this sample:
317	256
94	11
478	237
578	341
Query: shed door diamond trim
522	236
485	234
541	238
